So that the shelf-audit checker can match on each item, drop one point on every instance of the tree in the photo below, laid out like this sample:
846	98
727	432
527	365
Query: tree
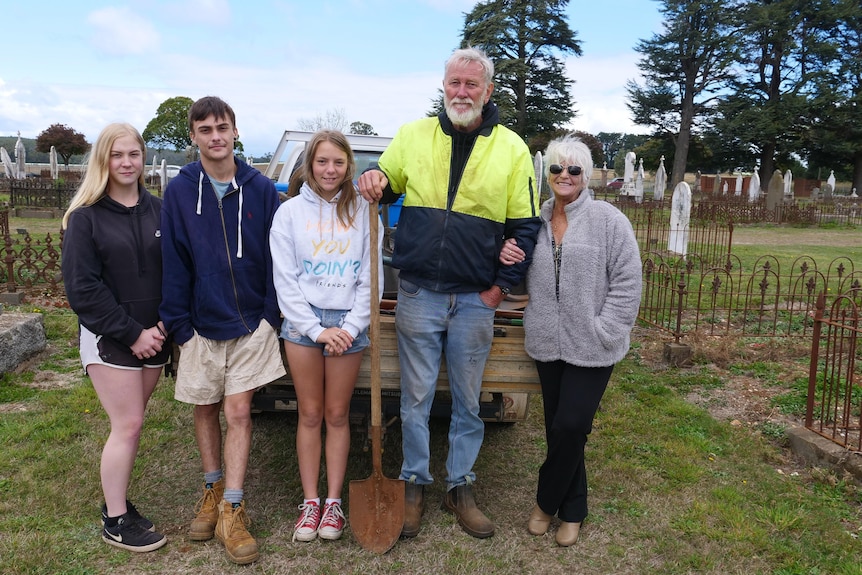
684	68
67	141
781	42
523	38
835	135
362	128
612	143
330	120
170	128
616	144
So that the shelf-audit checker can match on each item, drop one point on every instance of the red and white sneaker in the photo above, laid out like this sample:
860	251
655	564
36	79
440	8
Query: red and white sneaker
308	522
332	523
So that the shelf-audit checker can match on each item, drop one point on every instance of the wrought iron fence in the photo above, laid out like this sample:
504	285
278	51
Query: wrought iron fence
708	236
834	403
40	193
27	262
691	294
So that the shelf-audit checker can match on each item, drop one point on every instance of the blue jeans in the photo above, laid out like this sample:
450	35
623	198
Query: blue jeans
430	324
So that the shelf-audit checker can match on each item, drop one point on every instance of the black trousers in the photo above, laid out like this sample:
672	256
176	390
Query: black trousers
571	396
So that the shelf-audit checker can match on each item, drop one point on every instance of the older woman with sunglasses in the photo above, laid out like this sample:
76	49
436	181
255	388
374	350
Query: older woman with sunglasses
585	286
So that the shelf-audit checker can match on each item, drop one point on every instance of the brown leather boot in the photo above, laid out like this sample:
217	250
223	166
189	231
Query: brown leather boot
414	506
232	531
206	512
460	502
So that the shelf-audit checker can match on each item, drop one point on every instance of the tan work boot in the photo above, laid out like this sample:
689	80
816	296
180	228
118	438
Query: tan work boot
232	531
460	502
206	512
414	506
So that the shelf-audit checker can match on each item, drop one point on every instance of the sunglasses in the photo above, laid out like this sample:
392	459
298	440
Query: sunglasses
558	169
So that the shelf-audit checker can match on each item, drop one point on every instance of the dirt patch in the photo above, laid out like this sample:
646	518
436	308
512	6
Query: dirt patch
742	398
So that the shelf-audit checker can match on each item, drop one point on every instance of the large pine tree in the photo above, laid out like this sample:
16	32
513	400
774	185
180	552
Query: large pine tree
684	67
526	40
767	99
834	139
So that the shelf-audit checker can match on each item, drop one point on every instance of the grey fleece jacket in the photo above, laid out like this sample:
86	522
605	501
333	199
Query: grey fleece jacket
600	287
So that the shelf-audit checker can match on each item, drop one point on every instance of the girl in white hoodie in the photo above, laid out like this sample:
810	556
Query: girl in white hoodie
320	242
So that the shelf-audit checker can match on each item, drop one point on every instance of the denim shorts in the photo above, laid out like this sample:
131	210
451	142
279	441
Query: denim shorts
328	318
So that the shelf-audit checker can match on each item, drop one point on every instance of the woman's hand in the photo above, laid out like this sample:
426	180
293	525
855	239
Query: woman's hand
149	343
511	254
335	340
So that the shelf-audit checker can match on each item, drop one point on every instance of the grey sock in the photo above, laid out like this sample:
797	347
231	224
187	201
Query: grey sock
211	477
233	496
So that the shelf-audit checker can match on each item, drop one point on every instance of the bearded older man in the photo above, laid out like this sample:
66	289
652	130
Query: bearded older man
468	186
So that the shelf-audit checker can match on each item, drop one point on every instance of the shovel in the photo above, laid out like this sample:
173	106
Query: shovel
376	503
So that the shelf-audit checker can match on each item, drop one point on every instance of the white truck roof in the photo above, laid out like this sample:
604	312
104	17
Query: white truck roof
293	143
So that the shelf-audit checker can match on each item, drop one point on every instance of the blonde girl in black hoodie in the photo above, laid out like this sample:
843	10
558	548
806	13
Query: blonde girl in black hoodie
112	271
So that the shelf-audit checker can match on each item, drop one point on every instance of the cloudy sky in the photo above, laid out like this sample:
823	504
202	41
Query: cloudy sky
88	63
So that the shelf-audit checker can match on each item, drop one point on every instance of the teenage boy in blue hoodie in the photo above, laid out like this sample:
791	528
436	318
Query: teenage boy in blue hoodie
219	303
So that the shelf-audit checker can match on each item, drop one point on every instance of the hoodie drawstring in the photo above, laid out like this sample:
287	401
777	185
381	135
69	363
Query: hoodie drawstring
239	225
200	192
238	215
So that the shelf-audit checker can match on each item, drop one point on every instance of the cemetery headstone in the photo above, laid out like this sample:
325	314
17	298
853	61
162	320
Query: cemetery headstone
679	219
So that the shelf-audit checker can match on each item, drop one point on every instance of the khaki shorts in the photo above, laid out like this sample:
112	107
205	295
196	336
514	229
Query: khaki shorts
209	369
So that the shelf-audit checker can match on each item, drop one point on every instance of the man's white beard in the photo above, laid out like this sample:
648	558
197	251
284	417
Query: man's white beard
463	119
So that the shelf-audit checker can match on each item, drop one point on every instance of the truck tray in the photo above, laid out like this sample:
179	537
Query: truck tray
510	378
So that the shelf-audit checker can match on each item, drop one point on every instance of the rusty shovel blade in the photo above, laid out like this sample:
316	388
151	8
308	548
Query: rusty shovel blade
376	510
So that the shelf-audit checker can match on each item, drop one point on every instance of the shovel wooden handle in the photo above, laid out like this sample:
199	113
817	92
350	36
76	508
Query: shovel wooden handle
374	333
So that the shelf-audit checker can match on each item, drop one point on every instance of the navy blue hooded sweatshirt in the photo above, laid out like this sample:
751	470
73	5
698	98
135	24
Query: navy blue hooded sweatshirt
217	266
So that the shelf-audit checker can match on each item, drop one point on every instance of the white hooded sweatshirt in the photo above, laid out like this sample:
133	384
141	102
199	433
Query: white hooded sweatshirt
318	261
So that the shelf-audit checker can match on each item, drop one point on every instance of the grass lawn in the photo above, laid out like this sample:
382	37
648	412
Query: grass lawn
673	490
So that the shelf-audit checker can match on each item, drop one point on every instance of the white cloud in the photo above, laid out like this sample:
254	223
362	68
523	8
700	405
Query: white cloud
119	32
599	92
266	104
215	12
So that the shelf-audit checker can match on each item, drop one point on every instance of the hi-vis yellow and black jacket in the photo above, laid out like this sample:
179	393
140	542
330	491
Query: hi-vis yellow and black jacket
452	225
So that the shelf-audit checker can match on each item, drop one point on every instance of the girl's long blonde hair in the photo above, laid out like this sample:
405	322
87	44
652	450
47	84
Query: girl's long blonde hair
97	167
346	208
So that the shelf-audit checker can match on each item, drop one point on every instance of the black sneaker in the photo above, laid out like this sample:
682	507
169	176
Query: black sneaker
130	535
133	514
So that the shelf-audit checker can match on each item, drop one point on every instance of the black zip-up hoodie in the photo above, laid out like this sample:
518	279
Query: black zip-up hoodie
112	267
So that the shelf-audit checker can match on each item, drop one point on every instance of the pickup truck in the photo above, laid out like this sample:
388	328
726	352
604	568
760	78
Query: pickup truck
510	375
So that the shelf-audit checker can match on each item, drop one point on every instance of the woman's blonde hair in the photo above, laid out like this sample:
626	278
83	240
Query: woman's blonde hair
346	202
97	167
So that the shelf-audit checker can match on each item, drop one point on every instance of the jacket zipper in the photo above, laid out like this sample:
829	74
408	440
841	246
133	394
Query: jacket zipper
230	266
450	201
